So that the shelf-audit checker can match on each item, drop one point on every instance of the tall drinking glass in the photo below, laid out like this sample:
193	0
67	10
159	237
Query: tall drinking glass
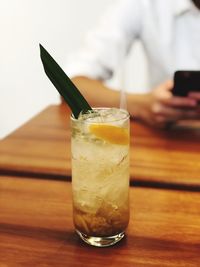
100	175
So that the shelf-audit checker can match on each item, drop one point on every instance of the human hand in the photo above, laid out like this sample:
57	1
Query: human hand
160	107
195	96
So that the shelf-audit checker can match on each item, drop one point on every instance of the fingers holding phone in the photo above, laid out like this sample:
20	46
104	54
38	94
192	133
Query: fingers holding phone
187	84
169	108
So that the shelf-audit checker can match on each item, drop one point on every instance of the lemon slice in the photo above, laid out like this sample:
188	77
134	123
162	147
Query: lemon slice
110	133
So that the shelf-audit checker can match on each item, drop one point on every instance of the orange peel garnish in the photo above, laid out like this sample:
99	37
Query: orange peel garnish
110	133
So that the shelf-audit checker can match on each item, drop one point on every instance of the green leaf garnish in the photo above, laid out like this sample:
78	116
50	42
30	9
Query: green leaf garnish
63	84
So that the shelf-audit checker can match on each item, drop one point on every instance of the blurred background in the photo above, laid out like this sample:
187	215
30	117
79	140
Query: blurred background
59	25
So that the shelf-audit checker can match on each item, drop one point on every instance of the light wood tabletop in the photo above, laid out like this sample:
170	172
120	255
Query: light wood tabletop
36	228
41	147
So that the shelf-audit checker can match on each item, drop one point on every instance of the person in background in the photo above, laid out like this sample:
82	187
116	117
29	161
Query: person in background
170	34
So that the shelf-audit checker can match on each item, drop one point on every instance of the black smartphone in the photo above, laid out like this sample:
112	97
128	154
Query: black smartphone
186	81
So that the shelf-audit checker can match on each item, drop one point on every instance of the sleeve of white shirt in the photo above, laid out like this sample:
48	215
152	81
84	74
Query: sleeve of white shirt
106	46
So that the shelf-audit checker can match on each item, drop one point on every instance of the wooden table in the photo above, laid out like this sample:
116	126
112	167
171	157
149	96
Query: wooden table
36	228
159	158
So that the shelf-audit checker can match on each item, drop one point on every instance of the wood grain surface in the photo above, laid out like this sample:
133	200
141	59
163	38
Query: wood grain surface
41	147
36	228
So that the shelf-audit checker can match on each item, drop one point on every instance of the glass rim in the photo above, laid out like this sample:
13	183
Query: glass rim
125	117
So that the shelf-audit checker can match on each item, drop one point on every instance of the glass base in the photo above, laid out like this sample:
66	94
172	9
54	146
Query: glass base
101	241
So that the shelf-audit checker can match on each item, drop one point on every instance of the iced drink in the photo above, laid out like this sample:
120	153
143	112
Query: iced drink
100	175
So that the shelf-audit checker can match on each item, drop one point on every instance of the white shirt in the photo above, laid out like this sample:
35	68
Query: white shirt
169	31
